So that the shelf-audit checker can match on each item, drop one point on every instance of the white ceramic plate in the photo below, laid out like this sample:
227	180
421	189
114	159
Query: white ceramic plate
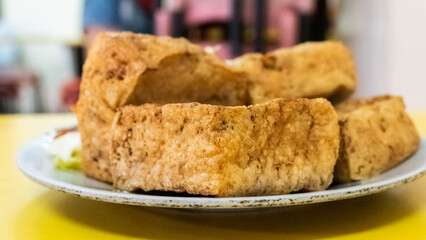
34	162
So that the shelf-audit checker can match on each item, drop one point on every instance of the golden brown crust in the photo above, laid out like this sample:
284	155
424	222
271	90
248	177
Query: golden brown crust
323	69
126	68
376	135
274	148
130	68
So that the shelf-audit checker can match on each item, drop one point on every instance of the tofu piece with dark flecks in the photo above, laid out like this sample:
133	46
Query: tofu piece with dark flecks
124	68
376	135
278	147
314	69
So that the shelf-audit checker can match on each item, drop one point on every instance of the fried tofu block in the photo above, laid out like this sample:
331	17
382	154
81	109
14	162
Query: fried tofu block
281	146
322	69
376	135
126	68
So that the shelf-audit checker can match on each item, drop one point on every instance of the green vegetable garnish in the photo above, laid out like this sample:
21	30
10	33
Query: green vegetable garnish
73	163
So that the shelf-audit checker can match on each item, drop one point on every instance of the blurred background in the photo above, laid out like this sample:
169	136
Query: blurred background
43	42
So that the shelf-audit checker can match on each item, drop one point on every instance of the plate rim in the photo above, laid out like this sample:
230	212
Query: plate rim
213	202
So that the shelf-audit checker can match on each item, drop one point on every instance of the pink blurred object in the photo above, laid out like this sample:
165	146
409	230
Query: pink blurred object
70	92
304	6
206	11
275	7
175	5
162	21
287	28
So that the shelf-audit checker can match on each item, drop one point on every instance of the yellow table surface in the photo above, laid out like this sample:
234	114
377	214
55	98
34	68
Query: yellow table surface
30	211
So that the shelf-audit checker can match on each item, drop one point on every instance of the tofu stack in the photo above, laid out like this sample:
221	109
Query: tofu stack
158	113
